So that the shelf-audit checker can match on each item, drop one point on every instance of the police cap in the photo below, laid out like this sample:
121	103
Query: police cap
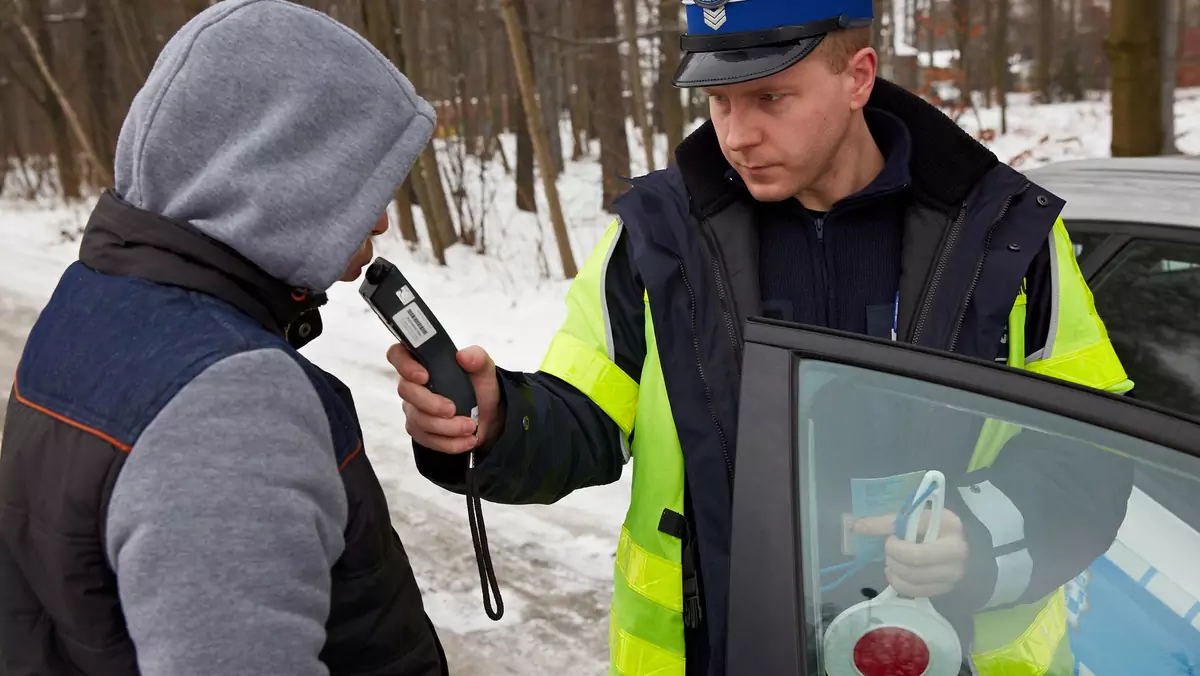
731	41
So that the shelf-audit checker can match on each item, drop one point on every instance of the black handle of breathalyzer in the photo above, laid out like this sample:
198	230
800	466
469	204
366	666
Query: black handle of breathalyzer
411	321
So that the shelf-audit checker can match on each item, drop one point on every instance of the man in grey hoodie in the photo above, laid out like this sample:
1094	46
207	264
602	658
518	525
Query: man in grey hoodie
181	492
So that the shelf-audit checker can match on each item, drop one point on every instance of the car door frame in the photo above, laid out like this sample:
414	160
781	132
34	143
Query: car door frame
766	624
1120	234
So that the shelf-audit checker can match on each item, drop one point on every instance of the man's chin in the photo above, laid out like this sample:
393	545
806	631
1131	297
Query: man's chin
769	192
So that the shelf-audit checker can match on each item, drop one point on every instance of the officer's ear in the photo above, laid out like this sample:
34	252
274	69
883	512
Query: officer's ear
860	76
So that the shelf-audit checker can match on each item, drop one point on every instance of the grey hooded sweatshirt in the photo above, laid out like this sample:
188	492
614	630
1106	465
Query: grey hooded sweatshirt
282	134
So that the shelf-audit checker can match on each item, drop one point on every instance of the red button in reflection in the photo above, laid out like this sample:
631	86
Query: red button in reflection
891	651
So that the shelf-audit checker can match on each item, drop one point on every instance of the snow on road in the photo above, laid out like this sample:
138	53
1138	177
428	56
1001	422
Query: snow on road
554	563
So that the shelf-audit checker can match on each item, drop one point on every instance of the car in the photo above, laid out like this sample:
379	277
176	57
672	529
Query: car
1135	223
1135	608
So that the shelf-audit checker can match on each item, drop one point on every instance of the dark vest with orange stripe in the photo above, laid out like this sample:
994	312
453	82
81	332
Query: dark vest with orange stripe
106	355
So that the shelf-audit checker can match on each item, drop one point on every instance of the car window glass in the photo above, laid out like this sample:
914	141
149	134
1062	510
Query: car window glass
1073	562
1086	242
1149	299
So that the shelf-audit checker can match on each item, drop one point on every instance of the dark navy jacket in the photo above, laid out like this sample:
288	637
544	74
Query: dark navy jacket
971	229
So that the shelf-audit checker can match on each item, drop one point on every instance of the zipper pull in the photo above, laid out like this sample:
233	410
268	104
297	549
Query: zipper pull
820	228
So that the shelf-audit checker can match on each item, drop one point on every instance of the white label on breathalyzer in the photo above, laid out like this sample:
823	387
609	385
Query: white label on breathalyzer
415	325
406	295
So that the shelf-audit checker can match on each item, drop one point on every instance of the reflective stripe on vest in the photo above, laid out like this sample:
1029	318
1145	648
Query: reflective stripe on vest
1029	640
590	372
582	352
655	578
631	655
1040	646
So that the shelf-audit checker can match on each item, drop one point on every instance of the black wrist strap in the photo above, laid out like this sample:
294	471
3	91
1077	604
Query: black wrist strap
483	556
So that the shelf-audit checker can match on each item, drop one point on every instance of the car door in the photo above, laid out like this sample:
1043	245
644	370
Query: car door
1046	482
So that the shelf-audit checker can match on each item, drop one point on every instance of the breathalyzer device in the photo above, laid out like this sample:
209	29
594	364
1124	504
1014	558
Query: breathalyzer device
409	319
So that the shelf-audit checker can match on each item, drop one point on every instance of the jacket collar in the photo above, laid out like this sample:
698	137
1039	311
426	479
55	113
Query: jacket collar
121	239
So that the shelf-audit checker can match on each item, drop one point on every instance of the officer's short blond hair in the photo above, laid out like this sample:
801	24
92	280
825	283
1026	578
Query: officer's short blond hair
839	47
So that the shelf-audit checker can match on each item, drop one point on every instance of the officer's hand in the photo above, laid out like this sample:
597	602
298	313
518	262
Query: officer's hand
431	417
926	569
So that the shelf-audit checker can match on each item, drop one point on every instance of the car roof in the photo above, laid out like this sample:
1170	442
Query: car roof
1159	190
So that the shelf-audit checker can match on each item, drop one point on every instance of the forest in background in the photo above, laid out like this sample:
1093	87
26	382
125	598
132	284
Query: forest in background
597	69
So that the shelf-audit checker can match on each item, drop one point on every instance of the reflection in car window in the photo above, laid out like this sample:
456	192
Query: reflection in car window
1149	298
1051	558
1085	242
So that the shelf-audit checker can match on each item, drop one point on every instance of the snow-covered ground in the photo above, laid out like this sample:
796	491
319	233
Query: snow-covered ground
554	563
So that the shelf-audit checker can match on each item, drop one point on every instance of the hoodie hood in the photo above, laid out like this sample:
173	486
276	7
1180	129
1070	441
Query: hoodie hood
275	130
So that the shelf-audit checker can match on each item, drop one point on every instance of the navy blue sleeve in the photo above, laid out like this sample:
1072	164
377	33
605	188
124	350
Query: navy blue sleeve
555	438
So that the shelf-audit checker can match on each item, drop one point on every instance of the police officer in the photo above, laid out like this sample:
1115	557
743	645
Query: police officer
820	194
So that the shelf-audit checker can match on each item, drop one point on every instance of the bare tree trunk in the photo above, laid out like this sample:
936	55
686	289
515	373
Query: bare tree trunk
546	63
492	72
574	98
421	186
930	38
672	106
887	39
378	24
961	9
516	39
426	180
99	80
59	106
436	207
910	18
431	172
7	126
582	78
877	25
1000	54
472	98
608	105
1170	54
526	199
143	17
1045	51
193	7
130	40
635	77
1135	57
404	212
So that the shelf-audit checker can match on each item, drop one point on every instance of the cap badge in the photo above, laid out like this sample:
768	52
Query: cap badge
714	12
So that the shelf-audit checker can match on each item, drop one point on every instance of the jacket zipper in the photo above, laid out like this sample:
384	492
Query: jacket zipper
712	410
827	286
943	261
728	310
730	325
987	244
